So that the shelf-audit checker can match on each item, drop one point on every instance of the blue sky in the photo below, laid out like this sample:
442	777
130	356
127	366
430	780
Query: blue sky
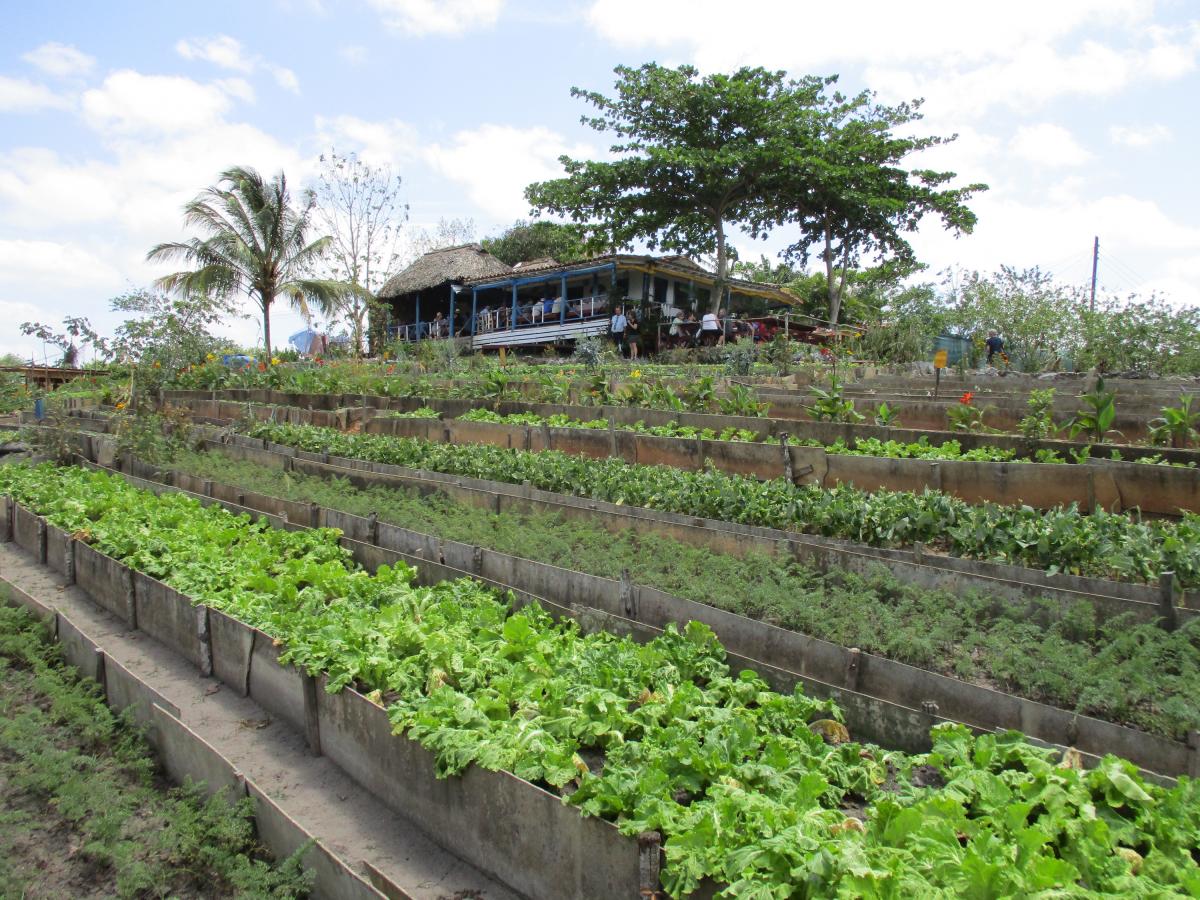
1082	116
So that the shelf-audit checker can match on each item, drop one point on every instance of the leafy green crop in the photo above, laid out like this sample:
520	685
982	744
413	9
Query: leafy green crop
760	791
1108	545
1136	675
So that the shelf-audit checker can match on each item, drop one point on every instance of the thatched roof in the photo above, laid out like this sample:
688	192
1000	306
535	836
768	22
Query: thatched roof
437	267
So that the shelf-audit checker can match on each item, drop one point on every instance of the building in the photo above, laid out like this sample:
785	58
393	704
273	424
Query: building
467	292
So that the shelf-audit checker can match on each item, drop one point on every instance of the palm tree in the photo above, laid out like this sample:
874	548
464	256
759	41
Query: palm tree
256	244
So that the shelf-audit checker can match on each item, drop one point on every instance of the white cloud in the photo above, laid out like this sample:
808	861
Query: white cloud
448	17
377	143
1047	144
52	265
354	54
1138	135
61	60
222	50
1021	53
130	102
227	52
285	78
1056	233
721	37
19	95
495	163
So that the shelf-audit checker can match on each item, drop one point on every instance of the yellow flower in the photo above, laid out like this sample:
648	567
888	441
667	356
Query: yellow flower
157	364
211	356
121	405
274	360
636	373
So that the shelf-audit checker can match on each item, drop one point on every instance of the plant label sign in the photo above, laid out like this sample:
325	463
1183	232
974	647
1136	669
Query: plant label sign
939	359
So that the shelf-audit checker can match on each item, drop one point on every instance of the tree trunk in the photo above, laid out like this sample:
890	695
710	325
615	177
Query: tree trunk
722	264
835	295
266	308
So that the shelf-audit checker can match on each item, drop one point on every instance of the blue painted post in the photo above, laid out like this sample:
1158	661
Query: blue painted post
450	324
562	309
474	305
417	327
512	319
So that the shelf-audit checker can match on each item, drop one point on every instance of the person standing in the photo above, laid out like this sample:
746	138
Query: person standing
632	334
710	329
617	327
995	345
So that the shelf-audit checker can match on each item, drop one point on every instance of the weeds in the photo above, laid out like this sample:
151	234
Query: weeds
81	795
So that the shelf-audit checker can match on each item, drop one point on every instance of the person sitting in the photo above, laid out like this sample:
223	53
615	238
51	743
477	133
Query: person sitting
438	326
676	331
710	329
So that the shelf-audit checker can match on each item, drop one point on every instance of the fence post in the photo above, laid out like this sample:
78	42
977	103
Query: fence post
788	472
69	561
853	668
1166	601
130	599
628	605
204	638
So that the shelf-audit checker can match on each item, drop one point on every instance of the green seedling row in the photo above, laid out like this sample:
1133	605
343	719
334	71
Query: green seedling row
1106	545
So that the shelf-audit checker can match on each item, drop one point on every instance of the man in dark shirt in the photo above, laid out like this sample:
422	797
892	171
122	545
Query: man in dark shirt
995	345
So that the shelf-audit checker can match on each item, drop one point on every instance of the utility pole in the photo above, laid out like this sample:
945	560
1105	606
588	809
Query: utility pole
1095	266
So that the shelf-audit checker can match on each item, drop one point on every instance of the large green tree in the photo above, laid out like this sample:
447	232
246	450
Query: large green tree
854	199
694	155
255	243
535	240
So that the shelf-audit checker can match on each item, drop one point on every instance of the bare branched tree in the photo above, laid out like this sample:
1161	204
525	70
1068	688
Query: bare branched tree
361	208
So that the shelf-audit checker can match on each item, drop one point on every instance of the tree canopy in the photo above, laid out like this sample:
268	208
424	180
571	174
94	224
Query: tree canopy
853	199
257	244
534	240
754	150
694	154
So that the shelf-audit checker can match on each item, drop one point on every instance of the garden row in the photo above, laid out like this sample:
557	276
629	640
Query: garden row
1105	545
1127	408
1070	657
873	465
752	789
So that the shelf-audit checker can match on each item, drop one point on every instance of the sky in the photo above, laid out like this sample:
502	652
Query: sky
1081	115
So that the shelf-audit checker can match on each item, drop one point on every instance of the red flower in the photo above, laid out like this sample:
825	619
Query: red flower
262	367
966	398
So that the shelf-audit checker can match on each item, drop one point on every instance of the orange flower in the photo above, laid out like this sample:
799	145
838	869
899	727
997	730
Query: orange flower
262	367
966	398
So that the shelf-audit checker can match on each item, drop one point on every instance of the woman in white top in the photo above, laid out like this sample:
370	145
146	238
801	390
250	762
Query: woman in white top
710	329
